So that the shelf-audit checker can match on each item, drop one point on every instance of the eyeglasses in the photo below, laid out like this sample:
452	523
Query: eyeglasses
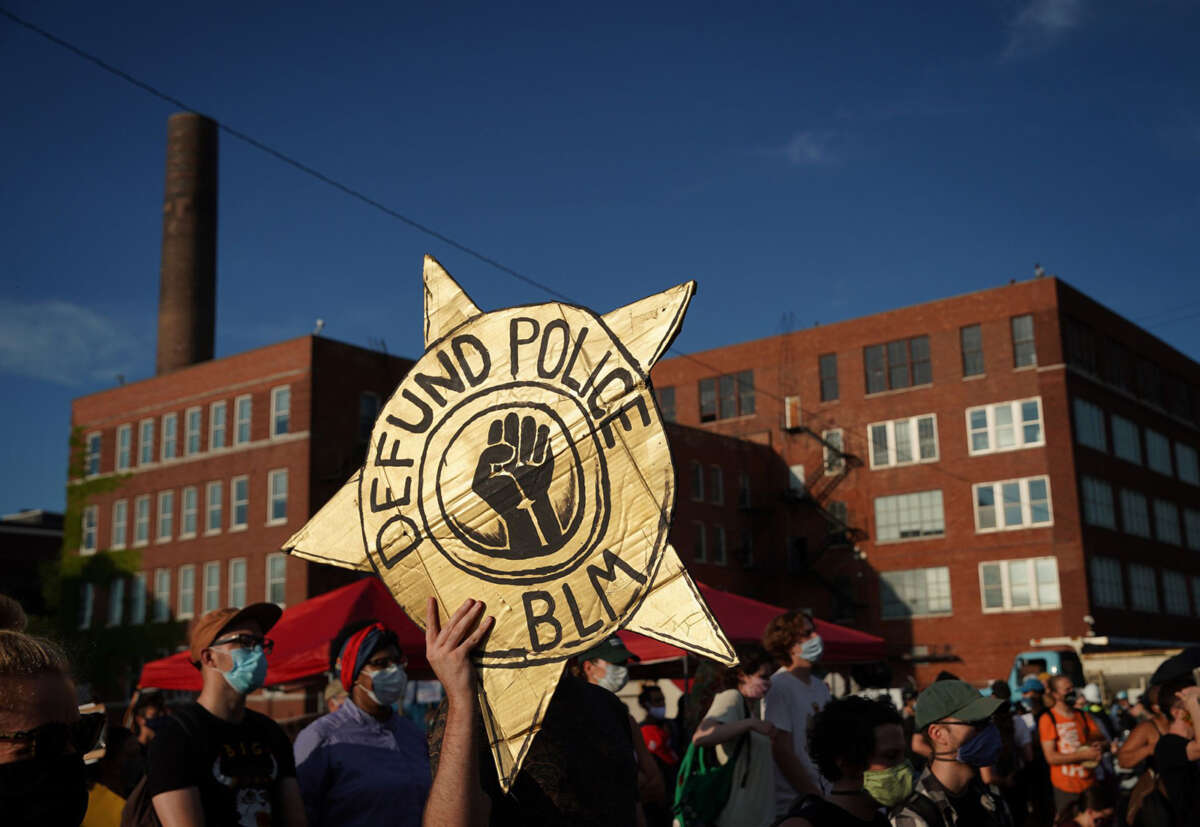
51	740
384	661
247	642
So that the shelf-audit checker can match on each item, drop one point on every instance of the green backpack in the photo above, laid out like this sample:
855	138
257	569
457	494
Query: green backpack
703	784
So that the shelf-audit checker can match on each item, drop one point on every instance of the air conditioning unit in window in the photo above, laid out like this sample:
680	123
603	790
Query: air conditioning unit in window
791	414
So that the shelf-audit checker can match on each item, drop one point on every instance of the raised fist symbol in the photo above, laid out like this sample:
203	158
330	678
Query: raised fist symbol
513	477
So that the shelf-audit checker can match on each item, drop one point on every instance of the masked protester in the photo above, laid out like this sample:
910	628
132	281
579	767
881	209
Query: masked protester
214	761
42	737
1176	753
1070	741
363	763
1093	808
858	745
956	722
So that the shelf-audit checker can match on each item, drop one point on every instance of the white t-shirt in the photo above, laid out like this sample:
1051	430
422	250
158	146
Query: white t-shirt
751	797
790	705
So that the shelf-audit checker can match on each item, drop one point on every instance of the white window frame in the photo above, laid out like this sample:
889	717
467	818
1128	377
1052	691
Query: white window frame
1158	453
169	448
1166	513
282	559
193	416
835	461
1035	601
116	601
215	444
941	572
186	594
165	518
162	595
87	604
234	523
716	493
234	584
124	447
1129	499
237	419
209	488
998	504
1135	572
1091	426
1122	427
905	501
211	587
282	390
719	554
1187	463
89	525
1176	579
272	476
137	598
1100	571
186	533
146	446
120	519
93	446
914	441
1018	426
1191	531
700	539
1096	497
141	503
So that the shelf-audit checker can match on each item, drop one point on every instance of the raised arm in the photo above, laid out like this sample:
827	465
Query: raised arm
712	731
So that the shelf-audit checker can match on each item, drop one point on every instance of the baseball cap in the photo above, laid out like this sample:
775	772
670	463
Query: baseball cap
1033	685
208	627
958	699
611	649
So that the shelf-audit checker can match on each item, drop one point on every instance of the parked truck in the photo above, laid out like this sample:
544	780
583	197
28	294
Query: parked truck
1112	663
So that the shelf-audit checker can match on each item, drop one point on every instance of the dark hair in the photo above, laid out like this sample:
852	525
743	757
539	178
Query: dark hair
945	675
845	730
1167	690
12	616
1096	798
149	700
648	689
782	632
347	631
1001	690
751	658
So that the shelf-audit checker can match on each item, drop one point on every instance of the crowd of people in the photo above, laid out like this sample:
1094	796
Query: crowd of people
762	743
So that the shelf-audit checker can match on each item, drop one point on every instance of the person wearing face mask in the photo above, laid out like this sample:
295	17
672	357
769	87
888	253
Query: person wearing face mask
956	722
363	763
215	762
1070	740
1177	752
795	696
858	744
42	737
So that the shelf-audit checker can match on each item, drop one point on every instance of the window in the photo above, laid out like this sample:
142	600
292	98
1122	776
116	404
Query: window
187	514
141	520
187	592
1126	444
116	601
146	442
124	447
743	491
747	549
276	578
666	403
281	410
903	441
1098	503
1012	504
1118	367
277	484
1015	585
1178	395
212	586
899	364
166	516
87	601
827	365
242	408
1166	522
1191	525
87	540
1135	517
1185	461
191	440
162	595
368	412
212	508
835	461
1149	382
120	522
237	583
1108	590
914	592
708	400
1175	594
239	502
971	337
91	460
1158	452
697	482
1079	344
908	516
698	549
718	545
727	396
1005	426
170	436
1089	425
716	492
1024	349
216	426
1143	588
137	599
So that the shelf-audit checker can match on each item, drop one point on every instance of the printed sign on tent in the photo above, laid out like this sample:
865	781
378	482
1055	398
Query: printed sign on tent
523	462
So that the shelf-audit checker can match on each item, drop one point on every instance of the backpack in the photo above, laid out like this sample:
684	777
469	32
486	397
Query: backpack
139	808
703	784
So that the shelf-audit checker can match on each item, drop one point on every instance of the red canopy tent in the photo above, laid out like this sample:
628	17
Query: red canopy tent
302	635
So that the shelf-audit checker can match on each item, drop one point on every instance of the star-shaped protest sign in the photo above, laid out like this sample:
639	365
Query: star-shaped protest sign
522	462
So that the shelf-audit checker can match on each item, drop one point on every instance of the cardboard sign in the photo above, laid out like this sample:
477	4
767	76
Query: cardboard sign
523	462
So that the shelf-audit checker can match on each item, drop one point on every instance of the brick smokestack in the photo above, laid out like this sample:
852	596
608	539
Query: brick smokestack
187	295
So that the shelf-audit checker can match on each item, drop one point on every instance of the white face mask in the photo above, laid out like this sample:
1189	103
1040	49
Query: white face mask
614	679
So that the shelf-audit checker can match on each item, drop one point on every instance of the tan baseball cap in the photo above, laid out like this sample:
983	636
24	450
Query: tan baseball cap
208	627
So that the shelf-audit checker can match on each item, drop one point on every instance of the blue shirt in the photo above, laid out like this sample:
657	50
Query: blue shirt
355	770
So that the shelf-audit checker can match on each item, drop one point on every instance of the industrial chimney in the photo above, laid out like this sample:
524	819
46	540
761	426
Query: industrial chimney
188	285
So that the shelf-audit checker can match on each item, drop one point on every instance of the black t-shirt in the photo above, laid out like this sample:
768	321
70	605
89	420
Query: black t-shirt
580	769
816	810
236	767
1180	777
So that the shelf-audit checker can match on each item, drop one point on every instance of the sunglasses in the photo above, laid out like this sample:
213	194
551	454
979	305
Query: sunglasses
247	642
51	740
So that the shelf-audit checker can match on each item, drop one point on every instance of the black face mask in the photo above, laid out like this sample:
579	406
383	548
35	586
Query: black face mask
1070	698
44	791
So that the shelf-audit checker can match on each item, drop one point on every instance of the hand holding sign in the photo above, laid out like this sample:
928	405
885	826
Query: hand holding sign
513	477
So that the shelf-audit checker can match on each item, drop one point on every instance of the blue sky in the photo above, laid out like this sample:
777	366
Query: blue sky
825	160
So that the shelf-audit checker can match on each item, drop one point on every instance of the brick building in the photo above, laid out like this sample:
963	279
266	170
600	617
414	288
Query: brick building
1005	464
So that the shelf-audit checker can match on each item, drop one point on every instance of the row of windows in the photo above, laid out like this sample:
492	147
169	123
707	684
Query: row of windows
219	432
1108	588
1004	586
127	597
1005	505
1126	439
1099	510
190	516
709	485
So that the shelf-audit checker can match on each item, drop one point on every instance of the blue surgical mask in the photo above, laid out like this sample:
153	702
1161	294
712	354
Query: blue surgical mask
812	649
983	750
249	670
658	712
387	685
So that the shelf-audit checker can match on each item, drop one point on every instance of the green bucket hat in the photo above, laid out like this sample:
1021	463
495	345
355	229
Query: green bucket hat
957	699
